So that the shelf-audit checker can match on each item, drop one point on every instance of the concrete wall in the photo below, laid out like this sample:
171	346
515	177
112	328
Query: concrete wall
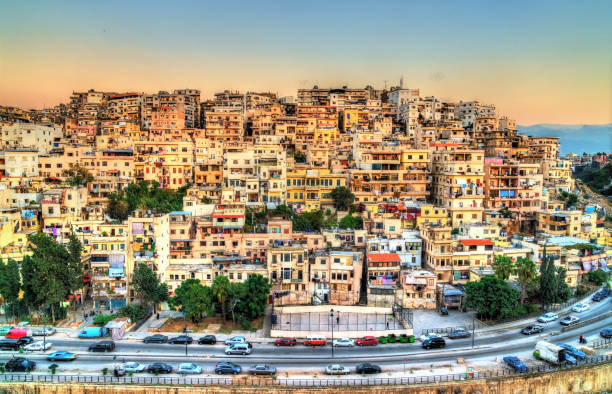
590	379
339	308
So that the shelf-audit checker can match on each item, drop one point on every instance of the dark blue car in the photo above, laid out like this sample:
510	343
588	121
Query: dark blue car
572	351
515	363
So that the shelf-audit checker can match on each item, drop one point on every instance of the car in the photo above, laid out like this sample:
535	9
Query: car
368	368
225	367
605	291
337	369
532	329
133	367
207	340
235	339
19	364
285	342
606	333
515	363
598	297
262	369
157	338
38	346
24	340
159	368
9	344
102	346
5	330
43	331
189	369
238	348
580	307
548	317
61	355
181	339
569	320
572	351
434	342
367	341
430	335
343	342
457	334
119	372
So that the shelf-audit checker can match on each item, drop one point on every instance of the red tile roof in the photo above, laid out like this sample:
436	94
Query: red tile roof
383	257
473	242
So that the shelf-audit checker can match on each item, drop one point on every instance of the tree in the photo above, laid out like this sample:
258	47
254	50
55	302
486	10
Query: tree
547	280
77	176
29	278
238	292
597	277
258	290
192	298
147	285
117	208
492	297
9	283
221	291
562	293
527	272
503	267
343	198
299	157
74	266
350	221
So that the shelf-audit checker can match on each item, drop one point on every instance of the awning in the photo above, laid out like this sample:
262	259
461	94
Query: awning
586	265
603	263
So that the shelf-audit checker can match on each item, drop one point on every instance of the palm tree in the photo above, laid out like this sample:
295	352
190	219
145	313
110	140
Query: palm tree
221	290
503	267
526	272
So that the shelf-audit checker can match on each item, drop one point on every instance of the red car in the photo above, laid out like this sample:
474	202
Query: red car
367	341
285	342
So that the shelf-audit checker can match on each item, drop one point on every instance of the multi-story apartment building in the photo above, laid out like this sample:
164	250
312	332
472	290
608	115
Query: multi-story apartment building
310	189
335	276
42	138
408	246
287	264
468	111
186	100
418	289
383	281
224	125
126	106
108	264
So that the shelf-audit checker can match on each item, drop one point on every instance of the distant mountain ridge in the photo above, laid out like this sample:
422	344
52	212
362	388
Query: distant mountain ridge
577	138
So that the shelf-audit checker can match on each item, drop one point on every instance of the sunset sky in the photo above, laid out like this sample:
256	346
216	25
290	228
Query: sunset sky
538	61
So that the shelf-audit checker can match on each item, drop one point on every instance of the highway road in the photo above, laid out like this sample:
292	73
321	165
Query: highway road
488	345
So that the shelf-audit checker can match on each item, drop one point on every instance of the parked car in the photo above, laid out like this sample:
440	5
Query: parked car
515	364
337	369
367	341
24	340
225	367
238	348
181	339
159	368
262	369
569	320
43	331
548	317
119	372
38	346
19	364
9	344
235	339
457	334
580	307
435	342
61	355
189	369
598	297
606	333
285	342
532	329
102	346
133	367
368	368
315	340
157	338
343	342
572	351
430	335
207	340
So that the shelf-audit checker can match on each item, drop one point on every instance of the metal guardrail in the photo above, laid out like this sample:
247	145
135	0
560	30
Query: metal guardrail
601	343
587	322
269	381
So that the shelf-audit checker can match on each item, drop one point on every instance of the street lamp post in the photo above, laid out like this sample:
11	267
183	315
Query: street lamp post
331	315
185	330
473	327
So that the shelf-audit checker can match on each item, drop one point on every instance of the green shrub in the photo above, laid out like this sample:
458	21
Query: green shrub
135	312
104	371
532	308
53	368
101	320
245	324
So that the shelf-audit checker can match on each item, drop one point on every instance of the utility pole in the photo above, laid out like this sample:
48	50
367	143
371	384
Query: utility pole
331	315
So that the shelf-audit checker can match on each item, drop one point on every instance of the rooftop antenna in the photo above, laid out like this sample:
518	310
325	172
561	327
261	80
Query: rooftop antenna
402	82
385	84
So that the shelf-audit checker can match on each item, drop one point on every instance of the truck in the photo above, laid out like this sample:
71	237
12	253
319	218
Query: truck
93	332
552	353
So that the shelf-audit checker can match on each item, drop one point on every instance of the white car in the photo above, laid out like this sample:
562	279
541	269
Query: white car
189	368
37	346
234	340
337	369
580	307
43	331
548	317
133	367
344	342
